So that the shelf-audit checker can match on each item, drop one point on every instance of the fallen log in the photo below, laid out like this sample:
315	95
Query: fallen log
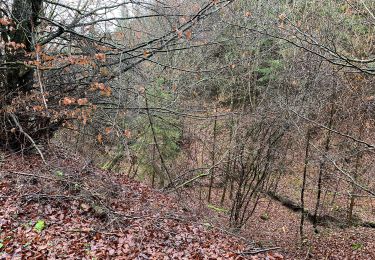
323	220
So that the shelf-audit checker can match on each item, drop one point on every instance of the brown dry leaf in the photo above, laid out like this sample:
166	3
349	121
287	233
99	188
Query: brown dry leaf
188	34
99	137
82	101
38	48
47	58
182	20
106	91
38	108
278	256
138	35
100	56
12	44
68	101
5	21
36	63
146	53
108	130
179	34
128	133
101	86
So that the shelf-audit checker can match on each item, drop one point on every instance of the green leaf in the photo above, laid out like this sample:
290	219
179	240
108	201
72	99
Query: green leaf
357	246
40	225
216	208
59	173
27	244
1	245
106	165
265	216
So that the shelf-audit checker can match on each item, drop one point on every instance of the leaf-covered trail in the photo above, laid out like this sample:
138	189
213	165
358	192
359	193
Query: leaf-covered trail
91	214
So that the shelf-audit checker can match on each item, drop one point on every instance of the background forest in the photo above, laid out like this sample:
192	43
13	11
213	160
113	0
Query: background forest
257	116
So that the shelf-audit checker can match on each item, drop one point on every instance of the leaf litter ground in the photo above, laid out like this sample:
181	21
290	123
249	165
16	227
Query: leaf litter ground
69	209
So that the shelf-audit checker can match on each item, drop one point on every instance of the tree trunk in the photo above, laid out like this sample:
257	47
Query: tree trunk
18	129
213	161
354	192
306	161
322	169
24	15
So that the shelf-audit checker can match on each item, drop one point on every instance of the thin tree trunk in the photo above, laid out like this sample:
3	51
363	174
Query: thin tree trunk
162	161
354	190
213	160
153	172
304	184
228	172
321	170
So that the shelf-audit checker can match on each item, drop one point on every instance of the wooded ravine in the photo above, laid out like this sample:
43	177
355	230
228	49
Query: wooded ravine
205	129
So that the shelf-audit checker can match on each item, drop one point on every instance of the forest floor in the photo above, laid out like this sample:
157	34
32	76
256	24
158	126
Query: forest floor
69	209
281	228
274	225
73	210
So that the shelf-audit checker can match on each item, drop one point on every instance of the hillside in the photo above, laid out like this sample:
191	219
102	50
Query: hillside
69	209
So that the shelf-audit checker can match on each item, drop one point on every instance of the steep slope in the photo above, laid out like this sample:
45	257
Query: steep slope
72	210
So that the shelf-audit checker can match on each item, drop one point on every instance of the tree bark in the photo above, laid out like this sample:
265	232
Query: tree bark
24	14
18	77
